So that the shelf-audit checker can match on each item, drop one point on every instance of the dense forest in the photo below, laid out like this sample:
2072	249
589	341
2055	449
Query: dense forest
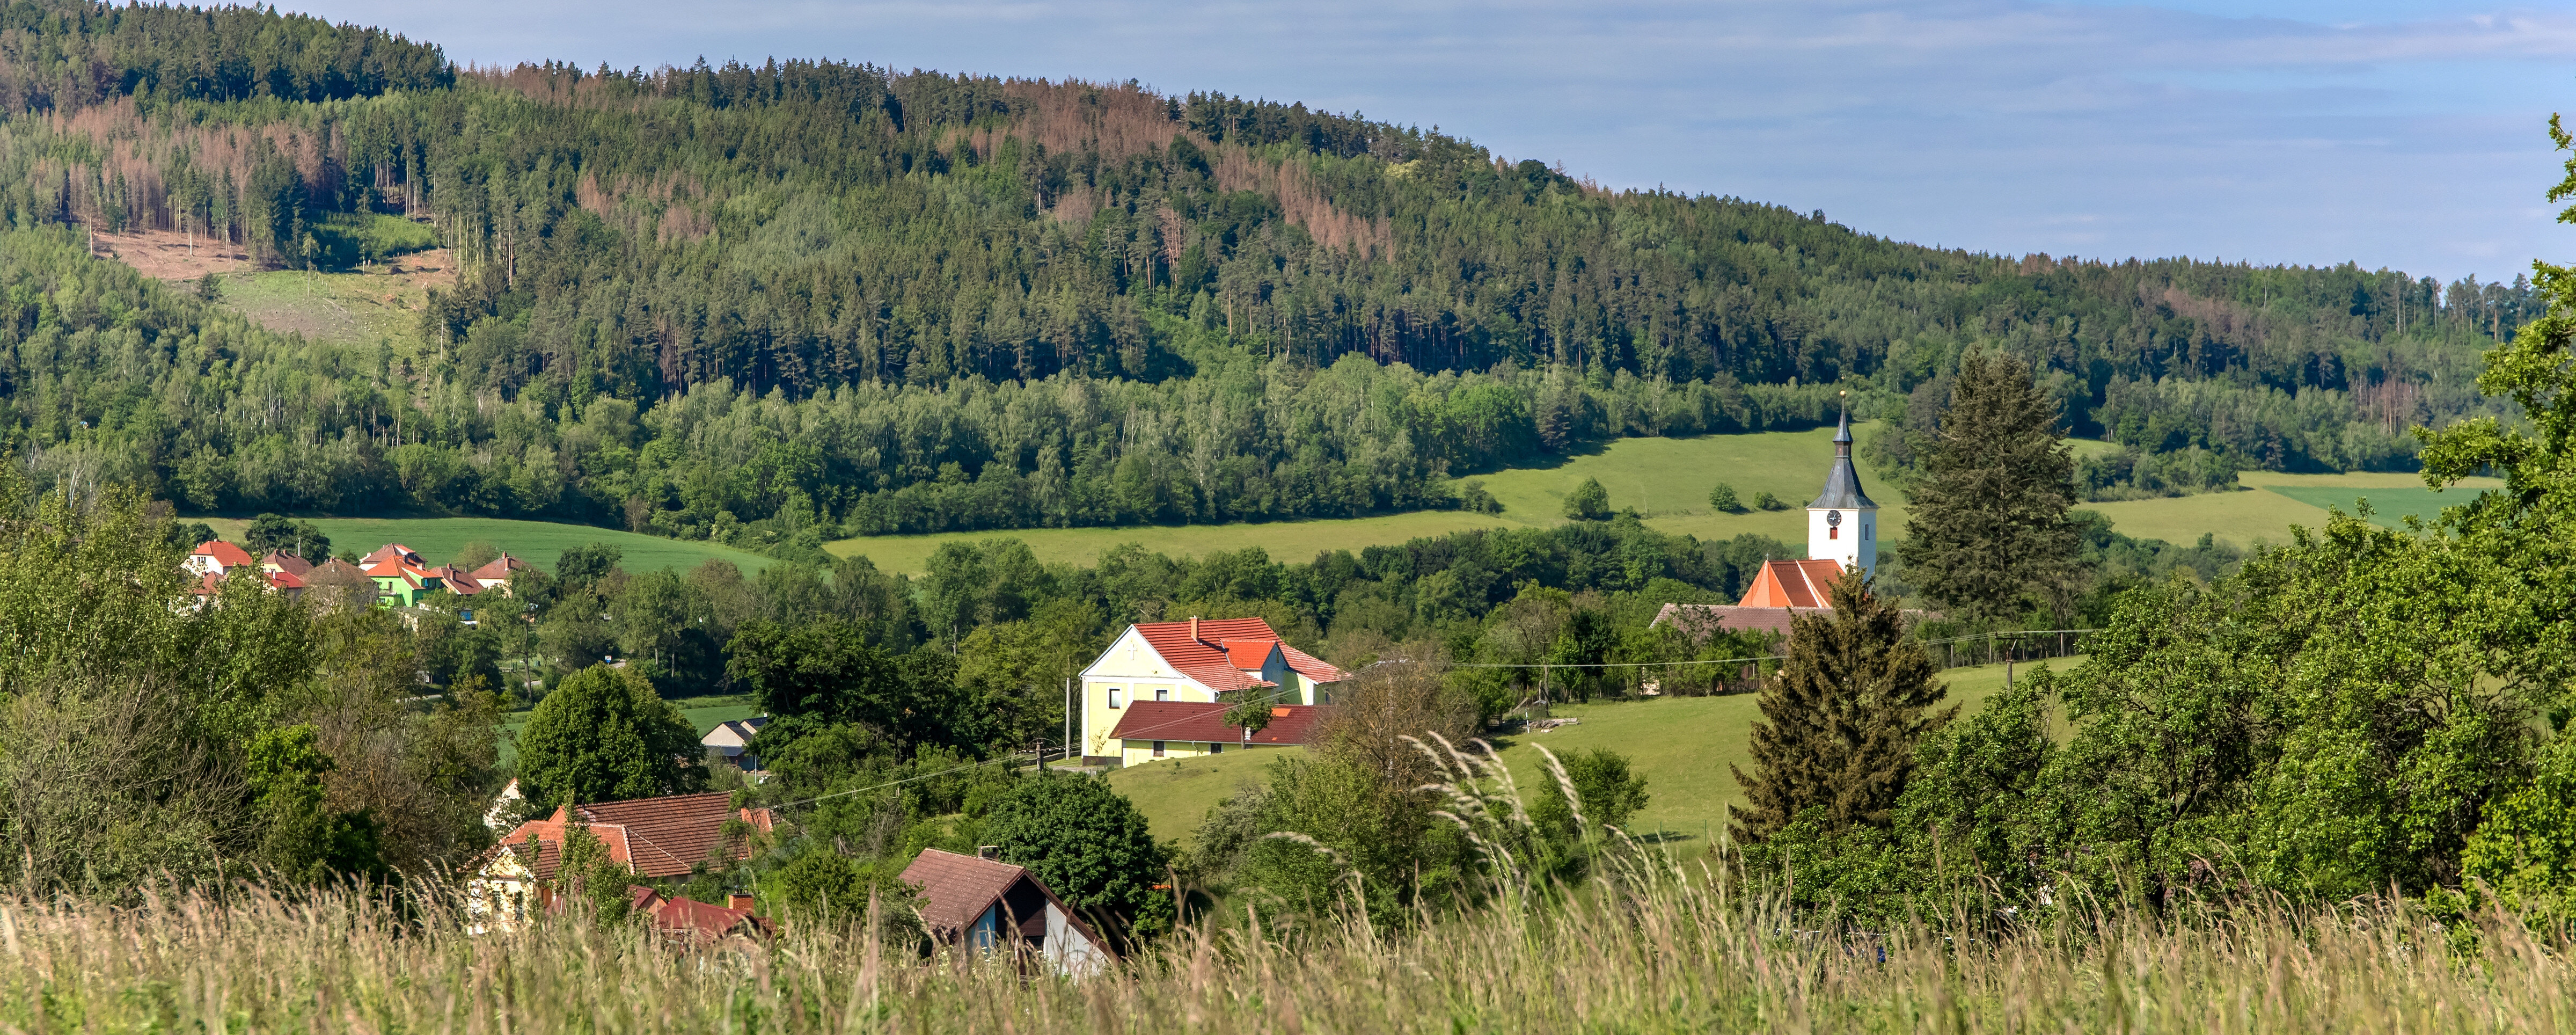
781	303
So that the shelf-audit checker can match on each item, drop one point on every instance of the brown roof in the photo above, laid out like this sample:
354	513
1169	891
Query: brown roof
956	889
693	920
654	837
665	836
1699	620
499	569
287	562
1204	722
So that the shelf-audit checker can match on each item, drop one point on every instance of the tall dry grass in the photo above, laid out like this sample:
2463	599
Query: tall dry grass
1670	953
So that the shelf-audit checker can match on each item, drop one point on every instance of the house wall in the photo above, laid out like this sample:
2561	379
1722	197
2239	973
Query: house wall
1139	752
1133	667
1067	950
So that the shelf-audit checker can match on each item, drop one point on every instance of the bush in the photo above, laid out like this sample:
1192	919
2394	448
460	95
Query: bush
1473	497
1088	843
1588	502
1723	498
1766	501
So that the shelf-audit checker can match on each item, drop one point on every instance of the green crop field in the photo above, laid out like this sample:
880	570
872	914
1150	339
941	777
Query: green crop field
537	542
1667	479
1681	745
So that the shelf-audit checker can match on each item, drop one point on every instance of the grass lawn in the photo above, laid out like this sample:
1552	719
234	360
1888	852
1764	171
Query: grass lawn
1682	746
2277	501
1666	479
1177	794
537	542
703	713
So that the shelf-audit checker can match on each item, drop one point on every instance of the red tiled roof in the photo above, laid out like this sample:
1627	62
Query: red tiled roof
1792	584
396	551
1248	655
663	837
695	920
1204	722
1312	667
285	580
1212	658
225	554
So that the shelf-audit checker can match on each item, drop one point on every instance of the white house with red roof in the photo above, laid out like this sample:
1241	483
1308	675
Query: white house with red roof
215	557
1191	664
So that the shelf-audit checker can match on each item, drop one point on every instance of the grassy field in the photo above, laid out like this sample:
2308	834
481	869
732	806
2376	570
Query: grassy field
1667	480
1681	745
2276	501
537	542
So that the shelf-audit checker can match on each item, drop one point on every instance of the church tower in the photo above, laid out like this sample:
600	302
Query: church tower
1842	524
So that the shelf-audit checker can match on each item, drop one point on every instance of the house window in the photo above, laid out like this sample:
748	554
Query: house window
1162	693
1158	749
1113	697
1216	749
1833	533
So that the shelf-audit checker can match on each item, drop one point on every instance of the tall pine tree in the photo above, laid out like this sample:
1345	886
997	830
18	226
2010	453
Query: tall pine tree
1840	718
1986	531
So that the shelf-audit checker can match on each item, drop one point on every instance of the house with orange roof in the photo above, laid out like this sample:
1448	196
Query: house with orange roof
648	837
215	557
1211	663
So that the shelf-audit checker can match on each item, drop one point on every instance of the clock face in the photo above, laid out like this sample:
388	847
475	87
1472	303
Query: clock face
1834	517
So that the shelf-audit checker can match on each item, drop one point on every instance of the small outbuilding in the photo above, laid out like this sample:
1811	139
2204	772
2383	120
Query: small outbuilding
980	903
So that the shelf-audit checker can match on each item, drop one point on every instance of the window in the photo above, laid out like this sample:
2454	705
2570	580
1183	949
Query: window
1832	532
1162	693
1216	749
1158	749
1113	697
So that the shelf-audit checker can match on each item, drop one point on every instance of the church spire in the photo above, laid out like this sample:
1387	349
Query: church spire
1842	483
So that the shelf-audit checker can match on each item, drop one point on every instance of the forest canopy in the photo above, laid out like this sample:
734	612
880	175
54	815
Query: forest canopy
778	303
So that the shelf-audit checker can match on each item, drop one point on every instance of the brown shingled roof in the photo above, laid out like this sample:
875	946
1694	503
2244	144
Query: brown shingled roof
1203	721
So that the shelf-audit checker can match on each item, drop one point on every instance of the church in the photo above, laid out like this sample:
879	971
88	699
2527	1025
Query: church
1842	532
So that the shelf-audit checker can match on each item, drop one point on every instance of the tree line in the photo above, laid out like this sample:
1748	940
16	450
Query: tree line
809	230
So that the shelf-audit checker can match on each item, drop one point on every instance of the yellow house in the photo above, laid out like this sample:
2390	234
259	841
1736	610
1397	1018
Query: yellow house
1192	662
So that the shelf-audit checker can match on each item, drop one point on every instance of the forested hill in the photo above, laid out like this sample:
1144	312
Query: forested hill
797	299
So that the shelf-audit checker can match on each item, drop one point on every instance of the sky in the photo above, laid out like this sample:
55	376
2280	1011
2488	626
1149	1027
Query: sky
2394	134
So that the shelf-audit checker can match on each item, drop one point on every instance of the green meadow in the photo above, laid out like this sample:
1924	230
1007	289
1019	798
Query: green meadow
537	542
1681	745
1667	480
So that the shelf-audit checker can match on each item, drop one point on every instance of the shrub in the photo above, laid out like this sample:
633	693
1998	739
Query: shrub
1723	498
1588	502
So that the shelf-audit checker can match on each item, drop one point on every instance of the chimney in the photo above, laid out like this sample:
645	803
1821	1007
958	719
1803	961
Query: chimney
1194	628
989	853
738	900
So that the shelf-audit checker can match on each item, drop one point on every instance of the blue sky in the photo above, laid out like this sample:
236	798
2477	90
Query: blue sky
2393	134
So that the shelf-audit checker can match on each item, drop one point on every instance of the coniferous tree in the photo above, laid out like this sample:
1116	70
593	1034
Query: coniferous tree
1987	527
1840	718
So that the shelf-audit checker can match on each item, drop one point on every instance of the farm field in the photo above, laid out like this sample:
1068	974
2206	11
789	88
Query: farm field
1667	480
537	542
1682	746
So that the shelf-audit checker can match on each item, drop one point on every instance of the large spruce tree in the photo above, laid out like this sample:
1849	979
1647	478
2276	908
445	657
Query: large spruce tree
1986	532
1839	719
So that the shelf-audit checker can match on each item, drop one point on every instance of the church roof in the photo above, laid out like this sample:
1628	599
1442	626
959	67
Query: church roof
1842	483
1792	584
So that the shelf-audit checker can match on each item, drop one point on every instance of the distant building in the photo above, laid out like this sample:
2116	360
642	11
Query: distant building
650	837
981	904
700	924
1193	662
1152	730
215	557
732	737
